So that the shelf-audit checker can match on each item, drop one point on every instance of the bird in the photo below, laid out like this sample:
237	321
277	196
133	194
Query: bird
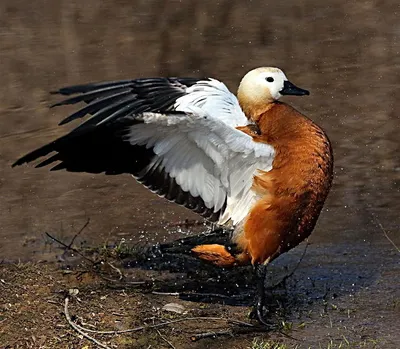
249	162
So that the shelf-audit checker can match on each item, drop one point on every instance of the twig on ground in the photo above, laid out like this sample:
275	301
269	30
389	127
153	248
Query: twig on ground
122	284
294	269
379	224
203	297
229	332
212	334
384	232
77	327
121	276
241	328
242	323
175	294
162	324
165	323
70	248
79	232
94	263
211	295
165	339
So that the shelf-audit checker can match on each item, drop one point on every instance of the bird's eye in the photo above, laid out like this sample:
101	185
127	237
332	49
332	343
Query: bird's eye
270	79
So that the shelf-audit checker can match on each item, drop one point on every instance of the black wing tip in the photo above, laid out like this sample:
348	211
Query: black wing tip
44	163
23	160
66	91
51	106
19	162
36	154
63	102
65	121
69	90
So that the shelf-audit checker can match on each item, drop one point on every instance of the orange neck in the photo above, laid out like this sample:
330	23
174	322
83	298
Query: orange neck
253	106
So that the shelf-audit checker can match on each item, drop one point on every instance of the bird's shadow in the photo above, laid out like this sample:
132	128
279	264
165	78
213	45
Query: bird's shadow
295	283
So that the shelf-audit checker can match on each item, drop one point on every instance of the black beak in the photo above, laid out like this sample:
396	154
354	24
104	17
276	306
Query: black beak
290	89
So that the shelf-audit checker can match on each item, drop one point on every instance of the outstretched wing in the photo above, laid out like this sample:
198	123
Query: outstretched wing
176	136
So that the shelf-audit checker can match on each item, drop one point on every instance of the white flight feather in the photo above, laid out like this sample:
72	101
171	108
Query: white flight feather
203	151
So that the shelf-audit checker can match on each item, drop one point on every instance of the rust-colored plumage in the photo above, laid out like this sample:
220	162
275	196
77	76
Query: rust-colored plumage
216	254
291	195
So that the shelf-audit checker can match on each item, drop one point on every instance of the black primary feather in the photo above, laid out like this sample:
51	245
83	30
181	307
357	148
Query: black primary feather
98	145
111	101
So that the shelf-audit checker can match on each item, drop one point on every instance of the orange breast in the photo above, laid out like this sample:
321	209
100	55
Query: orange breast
292	194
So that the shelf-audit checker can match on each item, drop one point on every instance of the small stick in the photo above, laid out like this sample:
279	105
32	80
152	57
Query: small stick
166	293
165	339
213	334
211	295
385	233
78	329
69	248
230	332
79	232
196	296
141	328
121	276
247	328
294	269
378	223
242	323
144	327
120	283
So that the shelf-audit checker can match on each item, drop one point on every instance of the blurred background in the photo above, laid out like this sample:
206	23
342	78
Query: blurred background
345	53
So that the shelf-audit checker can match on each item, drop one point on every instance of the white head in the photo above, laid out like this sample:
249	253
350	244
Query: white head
262	86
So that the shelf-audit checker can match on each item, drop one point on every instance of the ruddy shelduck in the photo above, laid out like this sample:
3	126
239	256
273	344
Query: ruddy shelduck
251	162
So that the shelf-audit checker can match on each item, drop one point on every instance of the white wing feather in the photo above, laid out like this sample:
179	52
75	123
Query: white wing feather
214	99
203	151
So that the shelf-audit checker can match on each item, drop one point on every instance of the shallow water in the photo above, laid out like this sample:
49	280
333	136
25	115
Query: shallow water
351	70
346	55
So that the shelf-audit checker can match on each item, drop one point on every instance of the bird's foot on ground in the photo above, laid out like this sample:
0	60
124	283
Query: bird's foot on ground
259	311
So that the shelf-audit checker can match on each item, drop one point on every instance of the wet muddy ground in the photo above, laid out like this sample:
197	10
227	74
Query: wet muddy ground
344	293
